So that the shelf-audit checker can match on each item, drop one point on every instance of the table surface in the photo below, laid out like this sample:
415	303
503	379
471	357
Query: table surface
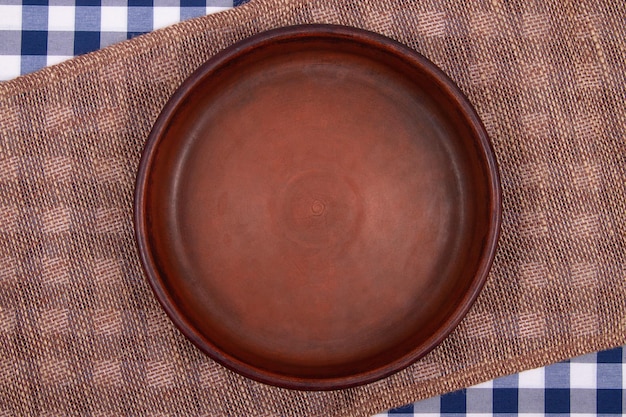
38	33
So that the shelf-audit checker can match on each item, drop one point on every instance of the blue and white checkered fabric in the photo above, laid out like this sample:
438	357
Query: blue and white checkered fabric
590	385
38	33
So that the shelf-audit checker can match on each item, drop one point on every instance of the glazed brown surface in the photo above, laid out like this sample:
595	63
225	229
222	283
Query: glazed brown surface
318	207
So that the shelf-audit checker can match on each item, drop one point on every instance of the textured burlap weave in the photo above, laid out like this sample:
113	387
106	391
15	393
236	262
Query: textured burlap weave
80	331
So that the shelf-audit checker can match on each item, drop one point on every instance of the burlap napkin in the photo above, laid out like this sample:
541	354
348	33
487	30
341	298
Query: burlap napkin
80	331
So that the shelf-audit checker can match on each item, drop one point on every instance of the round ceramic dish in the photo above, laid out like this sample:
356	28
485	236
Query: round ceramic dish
317	207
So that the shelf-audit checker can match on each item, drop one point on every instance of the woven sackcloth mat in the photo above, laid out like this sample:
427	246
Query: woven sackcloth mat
82	334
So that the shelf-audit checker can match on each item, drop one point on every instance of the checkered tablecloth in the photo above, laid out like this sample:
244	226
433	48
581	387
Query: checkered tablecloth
589	385
38	33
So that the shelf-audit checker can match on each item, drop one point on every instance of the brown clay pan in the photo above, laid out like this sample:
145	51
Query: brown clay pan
317	207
